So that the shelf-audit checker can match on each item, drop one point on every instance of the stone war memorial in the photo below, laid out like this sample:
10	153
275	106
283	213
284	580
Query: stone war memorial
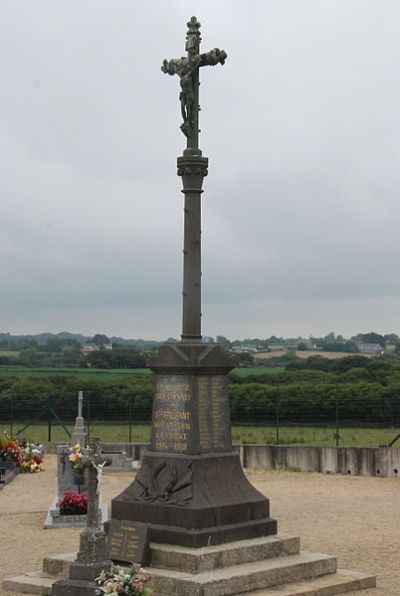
211	531
191	515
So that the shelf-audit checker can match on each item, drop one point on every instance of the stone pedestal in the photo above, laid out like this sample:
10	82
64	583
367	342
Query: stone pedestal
91	560
191	488
274	564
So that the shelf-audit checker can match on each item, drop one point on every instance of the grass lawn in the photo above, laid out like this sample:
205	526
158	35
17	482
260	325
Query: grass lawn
288	435
258	370
10	353
24	372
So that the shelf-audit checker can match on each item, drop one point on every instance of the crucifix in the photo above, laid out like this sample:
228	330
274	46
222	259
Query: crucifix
193	168
187	68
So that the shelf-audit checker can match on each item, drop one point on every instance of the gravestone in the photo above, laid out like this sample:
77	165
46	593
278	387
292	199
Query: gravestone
69	479
178	491
8	471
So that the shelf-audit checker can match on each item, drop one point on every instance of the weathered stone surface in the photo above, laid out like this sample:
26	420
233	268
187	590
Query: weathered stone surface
341	582
270	566
73	588
244	578
58	565
199	560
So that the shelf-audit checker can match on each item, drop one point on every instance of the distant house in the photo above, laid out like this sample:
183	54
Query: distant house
372	349
88	348
245	348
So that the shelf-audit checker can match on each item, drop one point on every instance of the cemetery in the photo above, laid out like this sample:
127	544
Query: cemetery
189	520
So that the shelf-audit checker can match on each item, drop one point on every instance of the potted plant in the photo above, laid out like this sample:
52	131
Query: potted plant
73	503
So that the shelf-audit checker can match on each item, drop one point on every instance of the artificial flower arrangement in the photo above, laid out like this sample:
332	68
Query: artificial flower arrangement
33	455
73	503
10	451
76	458
30	466
33	451
130	582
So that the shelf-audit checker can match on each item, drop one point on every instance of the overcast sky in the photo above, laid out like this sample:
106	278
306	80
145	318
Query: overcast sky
301	209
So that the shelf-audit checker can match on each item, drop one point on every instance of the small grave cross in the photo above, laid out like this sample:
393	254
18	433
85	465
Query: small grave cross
187	68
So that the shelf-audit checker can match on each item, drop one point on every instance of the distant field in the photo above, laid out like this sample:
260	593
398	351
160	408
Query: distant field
305	354
115	373
258	370
10	353
253	435
83	373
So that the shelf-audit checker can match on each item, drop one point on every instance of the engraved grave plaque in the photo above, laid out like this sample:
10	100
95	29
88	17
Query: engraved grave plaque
128	542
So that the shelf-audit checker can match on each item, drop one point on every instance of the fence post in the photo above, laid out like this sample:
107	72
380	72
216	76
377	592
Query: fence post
277	412
337	413
49	419
130	419
88	416
11	416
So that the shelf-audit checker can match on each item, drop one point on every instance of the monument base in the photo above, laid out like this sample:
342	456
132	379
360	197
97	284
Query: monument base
195	501
273	564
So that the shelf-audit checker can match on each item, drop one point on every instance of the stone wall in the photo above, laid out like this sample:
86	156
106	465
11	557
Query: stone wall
362	461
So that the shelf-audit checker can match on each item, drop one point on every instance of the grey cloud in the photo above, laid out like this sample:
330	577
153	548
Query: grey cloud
302	128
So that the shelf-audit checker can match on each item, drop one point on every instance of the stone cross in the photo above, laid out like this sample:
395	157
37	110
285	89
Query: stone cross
80	404
79	433
187	68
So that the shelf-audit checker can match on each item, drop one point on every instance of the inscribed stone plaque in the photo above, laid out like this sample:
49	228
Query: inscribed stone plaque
128	542
213	413
172	414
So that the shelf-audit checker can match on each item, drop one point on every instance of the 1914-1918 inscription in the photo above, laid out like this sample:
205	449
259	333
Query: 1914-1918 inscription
172	413
128	542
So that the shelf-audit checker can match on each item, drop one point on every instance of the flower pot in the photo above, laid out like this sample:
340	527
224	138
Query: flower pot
79	478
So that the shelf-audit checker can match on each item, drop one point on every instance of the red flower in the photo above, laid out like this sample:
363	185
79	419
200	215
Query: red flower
73	503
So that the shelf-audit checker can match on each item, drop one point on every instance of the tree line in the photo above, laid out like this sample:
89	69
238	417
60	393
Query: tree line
357	389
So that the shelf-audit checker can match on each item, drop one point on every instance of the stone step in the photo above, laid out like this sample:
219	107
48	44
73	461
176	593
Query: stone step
199	560
58	565
341	582
30	583
243	578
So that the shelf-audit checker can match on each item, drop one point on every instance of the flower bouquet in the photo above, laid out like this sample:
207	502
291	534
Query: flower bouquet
10	451
31	466
76	459
73	503
130	582
33	452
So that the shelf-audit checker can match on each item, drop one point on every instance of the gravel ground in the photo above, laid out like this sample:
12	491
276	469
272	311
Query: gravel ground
354	518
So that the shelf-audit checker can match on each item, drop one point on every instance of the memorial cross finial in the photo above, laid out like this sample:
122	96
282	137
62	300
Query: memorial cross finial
187	68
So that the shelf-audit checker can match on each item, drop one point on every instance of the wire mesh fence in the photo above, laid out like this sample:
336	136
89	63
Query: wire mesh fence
273	418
